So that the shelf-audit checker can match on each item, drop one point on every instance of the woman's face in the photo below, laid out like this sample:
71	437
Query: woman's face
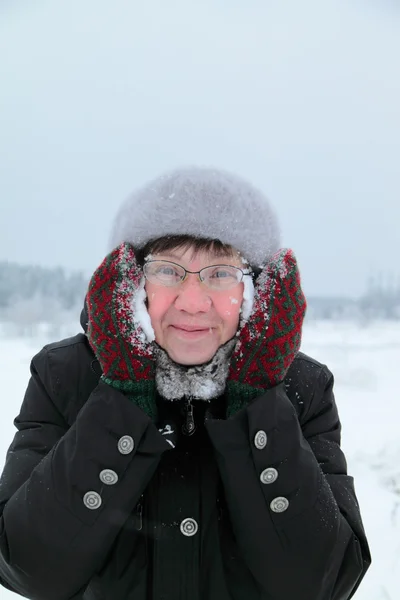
190	320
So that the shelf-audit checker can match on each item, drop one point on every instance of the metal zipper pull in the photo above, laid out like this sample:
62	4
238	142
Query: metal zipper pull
189	426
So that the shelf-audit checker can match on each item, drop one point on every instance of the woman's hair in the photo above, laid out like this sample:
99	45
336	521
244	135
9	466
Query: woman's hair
167	243
184	241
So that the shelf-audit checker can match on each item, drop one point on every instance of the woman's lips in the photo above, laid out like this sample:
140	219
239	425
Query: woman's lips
191	332
191	327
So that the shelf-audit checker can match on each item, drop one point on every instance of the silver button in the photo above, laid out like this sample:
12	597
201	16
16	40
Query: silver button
108	477
279	504
189	527
126	444
260	440
92	500
269	475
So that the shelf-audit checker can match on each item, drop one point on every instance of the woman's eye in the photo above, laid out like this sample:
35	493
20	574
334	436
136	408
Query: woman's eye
167	271
222	274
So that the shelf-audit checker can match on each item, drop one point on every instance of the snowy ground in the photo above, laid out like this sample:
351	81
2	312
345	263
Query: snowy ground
365	362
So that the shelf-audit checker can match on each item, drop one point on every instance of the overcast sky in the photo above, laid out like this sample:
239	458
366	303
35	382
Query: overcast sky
301	97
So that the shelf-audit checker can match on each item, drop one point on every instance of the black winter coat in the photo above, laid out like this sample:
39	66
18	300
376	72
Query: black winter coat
95	503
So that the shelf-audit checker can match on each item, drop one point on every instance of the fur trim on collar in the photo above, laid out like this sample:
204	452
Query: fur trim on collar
201	382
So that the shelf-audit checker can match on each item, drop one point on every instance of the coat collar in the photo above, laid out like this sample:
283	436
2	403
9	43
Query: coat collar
201	382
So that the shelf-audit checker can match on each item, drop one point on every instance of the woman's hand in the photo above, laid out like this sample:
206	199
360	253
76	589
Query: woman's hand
270	340
115	333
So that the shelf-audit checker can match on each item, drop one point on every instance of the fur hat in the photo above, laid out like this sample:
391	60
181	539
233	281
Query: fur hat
203	202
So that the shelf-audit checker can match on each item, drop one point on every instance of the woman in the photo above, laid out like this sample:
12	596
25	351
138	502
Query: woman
183	448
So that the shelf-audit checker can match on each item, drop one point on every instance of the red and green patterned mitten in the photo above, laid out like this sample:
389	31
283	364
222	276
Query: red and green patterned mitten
114	331
270	340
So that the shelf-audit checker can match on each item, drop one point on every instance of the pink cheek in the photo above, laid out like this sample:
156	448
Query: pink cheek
229	308
158	304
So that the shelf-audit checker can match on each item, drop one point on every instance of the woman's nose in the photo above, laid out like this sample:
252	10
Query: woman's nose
193	296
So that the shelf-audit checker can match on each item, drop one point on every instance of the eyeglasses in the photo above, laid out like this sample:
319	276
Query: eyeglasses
216	277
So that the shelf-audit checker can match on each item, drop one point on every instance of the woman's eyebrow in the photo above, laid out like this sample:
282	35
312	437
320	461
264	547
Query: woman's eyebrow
170	255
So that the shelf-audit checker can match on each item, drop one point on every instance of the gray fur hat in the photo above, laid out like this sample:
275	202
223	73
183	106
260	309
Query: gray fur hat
203	202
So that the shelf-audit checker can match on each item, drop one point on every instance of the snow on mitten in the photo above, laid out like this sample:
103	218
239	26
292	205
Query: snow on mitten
116	317
270	339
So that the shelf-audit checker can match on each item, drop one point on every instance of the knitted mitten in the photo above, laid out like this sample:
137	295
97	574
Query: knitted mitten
270	340
114	333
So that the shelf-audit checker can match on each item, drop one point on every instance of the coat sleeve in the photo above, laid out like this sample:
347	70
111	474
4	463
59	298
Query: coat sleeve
58	519
298	525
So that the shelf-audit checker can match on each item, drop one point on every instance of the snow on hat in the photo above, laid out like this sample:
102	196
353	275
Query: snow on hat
202	202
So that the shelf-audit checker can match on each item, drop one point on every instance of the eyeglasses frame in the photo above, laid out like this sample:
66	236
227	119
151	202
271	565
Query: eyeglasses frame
195	272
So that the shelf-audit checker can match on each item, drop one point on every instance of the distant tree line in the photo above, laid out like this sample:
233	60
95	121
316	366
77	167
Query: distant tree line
32	297
380	300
